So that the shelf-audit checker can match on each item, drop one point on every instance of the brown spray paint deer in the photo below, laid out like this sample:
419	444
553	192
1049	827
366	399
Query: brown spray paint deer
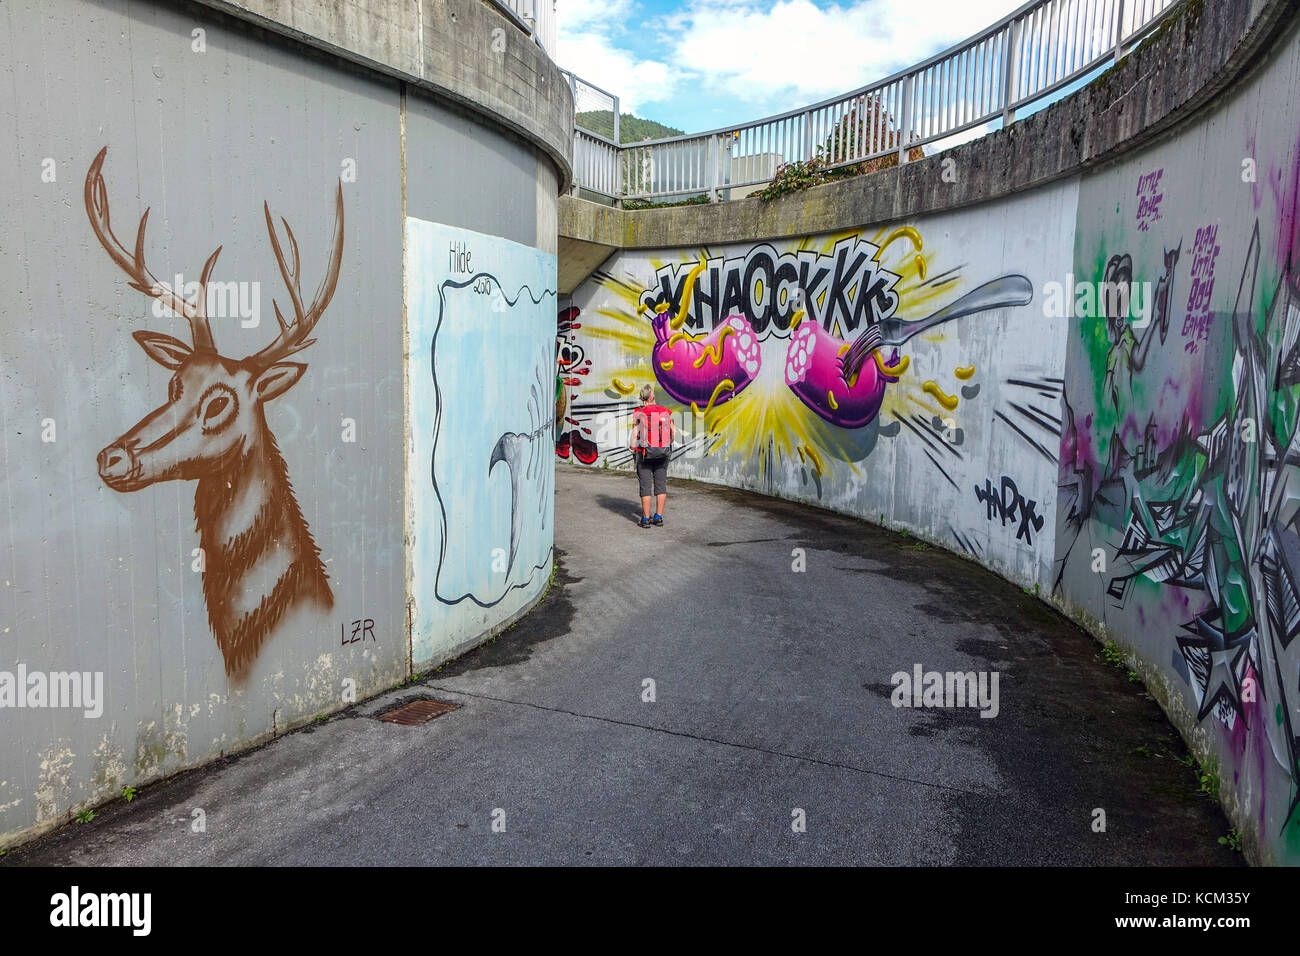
260	561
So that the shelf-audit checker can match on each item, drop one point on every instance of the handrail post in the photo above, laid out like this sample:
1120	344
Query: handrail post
1119	32
807	135
573	91
909	92
1010	75
617	142
715	151
620	174
620	190
573	190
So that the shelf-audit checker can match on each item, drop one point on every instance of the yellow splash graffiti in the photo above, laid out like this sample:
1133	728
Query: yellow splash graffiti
910	233
902	232
947	401
812	454
715	348
766	423
622	387
632	338
965	372
676	321
725	385
893	371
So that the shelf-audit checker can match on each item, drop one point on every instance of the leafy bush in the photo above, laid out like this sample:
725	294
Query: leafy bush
867	117
701	200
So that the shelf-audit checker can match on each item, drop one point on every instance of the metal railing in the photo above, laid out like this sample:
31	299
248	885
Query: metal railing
534	17
597	108
1022	59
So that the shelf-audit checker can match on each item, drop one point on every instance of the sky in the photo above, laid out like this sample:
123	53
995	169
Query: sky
702	64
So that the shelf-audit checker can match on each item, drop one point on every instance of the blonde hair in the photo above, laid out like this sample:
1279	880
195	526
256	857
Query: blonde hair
647	393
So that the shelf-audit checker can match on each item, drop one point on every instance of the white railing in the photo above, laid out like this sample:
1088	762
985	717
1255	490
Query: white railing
596	159
595	163
1022	59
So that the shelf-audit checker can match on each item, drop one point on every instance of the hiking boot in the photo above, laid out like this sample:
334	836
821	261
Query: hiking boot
645	522
658	519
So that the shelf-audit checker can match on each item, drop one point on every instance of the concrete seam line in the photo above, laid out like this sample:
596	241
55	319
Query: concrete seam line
713	740
408	502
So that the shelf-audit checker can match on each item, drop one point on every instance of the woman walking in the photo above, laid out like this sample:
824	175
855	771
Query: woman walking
651	443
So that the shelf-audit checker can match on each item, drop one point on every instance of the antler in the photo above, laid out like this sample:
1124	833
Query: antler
293	337
132	263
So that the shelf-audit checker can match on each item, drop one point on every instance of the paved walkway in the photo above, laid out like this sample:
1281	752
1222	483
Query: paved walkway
772	692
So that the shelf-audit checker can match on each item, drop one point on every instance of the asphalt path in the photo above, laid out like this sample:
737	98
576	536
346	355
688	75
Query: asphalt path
683	695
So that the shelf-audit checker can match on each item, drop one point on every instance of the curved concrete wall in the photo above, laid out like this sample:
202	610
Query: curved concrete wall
1089	385
219	543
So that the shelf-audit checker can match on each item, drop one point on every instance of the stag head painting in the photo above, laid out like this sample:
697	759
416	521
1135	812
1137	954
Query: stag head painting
259	559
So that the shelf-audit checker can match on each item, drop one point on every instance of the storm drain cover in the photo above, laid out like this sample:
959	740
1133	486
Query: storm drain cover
417	712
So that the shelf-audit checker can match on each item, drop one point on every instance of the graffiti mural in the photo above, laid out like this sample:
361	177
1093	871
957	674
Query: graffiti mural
822	368
259	559
1005	502
1179	499
481	476
570	363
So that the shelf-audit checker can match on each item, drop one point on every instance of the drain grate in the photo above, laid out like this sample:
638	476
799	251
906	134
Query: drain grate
416	712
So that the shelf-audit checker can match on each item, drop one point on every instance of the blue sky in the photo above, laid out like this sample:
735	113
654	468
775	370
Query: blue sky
702	64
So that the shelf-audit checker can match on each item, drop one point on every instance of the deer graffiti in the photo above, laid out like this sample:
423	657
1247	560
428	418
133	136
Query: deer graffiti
259	558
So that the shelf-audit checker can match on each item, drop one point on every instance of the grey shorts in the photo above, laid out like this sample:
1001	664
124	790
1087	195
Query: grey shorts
652	476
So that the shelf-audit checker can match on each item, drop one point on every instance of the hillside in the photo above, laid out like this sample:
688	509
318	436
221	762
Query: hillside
631	129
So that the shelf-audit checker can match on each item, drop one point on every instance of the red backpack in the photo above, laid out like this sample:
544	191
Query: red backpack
654	431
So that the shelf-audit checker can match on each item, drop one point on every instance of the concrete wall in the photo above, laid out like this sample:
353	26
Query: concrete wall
915	449
233	563
1131	457
1178	464
464	52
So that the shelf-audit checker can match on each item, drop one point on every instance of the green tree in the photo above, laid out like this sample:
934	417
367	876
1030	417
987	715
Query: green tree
631	129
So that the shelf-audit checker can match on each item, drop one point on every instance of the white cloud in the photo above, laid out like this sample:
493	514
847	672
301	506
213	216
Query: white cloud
776	55
594	57
599	41
797	52
581	15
